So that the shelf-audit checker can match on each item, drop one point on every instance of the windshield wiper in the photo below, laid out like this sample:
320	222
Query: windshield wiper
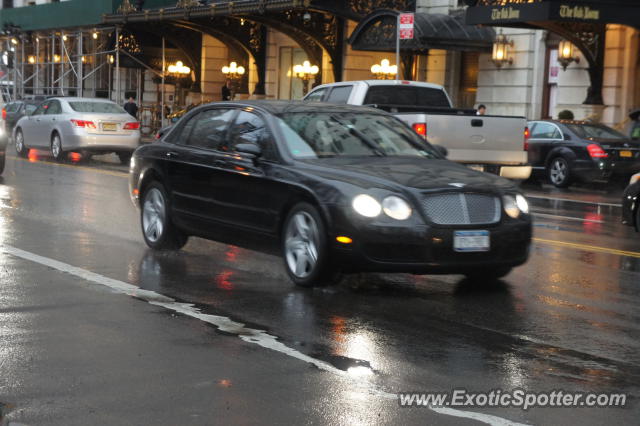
357	133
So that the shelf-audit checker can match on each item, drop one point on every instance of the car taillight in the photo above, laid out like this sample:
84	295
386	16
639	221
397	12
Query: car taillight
526	138
421	129
158	135
83	123
134	125
596	151
4	113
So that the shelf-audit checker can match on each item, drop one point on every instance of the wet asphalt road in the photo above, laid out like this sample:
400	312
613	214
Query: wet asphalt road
74	352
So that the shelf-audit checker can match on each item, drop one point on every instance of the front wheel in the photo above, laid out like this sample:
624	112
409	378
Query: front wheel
305	248
21	149
157	228
56	148
559	172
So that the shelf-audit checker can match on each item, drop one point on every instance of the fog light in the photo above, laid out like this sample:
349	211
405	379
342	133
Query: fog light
344	240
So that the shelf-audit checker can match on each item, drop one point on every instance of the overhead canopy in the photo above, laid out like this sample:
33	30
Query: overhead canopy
431	31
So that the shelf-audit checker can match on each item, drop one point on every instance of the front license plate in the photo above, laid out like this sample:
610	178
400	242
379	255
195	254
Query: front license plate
111	127
626	154
471	241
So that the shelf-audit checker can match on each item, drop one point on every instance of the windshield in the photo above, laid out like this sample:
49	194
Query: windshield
322	135
29	108
595	131
99	107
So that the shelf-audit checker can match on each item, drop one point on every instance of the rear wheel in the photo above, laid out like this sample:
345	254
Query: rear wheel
56	148
157	228
305	248
21	149
125	157
559	172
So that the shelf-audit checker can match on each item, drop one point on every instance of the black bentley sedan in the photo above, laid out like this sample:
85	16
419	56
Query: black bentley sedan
578	150
335	188
631	203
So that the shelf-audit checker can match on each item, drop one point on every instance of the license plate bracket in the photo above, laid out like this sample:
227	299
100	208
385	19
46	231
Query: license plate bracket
109	127
471	241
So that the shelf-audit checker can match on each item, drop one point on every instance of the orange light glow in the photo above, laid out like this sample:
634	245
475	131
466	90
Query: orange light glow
222	280
136	192
75	157
225	383
420	128
33	155
344	240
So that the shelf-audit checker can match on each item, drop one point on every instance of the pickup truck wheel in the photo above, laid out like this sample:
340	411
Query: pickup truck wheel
559	172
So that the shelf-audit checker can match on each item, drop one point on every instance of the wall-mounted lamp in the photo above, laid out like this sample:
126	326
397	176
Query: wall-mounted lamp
305	72
566	54
233	71
94	35
500	55
179	68
384	70
31	59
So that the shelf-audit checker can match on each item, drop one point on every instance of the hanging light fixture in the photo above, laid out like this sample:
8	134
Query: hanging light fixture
384	70
233	71
500	55
566	54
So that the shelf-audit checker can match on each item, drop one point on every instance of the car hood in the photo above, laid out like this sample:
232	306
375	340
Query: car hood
409	172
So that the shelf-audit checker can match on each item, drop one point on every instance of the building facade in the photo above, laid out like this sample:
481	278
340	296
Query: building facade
267	38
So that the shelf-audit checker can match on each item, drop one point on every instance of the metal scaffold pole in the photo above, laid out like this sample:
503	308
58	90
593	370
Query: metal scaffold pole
80	76
118	100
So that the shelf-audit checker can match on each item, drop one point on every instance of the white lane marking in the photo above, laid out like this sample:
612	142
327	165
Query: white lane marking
249	335
577	219
567	200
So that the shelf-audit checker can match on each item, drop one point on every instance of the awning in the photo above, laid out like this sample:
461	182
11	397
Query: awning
377	32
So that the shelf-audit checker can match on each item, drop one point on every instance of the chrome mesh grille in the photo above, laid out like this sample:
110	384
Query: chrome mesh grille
462	209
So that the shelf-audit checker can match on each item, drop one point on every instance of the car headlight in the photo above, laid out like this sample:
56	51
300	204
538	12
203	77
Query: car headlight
366	205
522	203
635	178
396	208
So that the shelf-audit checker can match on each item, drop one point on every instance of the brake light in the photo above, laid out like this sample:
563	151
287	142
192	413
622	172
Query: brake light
421	129
134	125
596	151
83	123
4	113
527	134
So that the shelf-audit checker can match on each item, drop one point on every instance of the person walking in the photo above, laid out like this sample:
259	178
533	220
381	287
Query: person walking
227	90
131	107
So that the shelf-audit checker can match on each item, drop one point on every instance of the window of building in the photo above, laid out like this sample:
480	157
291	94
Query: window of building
290	87
469	66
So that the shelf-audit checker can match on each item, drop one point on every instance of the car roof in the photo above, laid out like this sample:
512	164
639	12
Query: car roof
76	99
280	106
578	122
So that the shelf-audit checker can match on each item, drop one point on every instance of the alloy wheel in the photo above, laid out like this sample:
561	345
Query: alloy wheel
301	244
19	142
56	146
153	215
558	172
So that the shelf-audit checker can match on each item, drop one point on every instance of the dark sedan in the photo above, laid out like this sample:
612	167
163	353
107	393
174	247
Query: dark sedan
336	188
14	111
631	203
566	151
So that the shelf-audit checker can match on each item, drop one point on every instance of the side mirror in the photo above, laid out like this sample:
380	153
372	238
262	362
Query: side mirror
441	150
249	149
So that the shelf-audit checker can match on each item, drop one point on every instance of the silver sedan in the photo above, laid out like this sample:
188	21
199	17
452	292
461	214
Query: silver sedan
91	126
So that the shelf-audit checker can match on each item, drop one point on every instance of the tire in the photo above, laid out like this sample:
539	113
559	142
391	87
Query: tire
18	143
158	230
2	161
56	148
125	157
305	248
559	172
638	218
486	275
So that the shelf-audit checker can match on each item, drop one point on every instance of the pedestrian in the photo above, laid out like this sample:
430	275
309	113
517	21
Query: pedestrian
482	109
131	107
566	114
227	90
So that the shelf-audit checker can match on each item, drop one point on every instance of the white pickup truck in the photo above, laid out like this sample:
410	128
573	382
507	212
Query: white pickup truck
491	143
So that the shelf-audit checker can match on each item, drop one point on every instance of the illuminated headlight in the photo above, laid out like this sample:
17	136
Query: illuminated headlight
635	178
366	205
522	204
132	162
396	208
510	206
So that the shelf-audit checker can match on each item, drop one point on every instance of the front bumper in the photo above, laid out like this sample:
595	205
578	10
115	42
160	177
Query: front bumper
426	249
589	170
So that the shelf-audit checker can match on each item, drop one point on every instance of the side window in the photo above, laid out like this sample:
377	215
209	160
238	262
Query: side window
12	107
41	108
316	95
339	95
54	108
210	128
545	131
251	128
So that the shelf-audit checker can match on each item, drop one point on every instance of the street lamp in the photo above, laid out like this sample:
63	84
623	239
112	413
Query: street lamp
305	72
233	71
566	54
384	71
500	55
178	70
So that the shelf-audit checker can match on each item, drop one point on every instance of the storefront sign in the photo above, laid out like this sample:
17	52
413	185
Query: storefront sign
579	12
505	13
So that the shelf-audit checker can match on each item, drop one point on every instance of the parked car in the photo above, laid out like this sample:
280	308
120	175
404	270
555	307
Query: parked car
3	148
338	187
631	203
566	151
92	126
14	111
490	143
